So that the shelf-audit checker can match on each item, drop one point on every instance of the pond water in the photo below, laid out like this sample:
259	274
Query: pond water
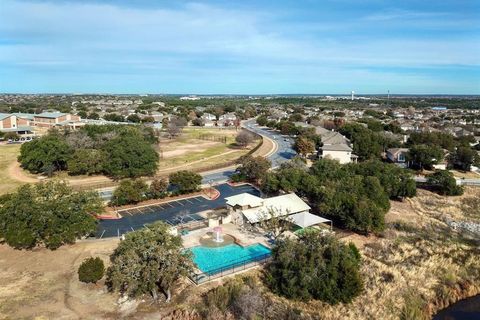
467	309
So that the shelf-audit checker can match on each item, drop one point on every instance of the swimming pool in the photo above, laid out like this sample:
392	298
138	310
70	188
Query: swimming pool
214	260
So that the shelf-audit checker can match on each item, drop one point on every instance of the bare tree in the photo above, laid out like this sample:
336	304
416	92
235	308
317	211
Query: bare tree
175	126
173	130
79	140
244	138
275	222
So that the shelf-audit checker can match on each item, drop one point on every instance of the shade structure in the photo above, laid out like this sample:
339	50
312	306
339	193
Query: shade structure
306	219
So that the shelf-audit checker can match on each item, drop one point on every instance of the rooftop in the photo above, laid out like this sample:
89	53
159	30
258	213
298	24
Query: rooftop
337	147
277	206
50	115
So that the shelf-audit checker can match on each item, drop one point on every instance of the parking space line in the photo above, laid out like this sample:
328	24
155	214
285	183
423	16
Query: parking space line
179	203
132	228
102	233
189	201
197	199
170	204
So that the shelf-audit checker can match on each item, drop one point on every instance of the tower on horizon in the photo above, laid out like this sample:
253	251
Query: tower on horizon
353	95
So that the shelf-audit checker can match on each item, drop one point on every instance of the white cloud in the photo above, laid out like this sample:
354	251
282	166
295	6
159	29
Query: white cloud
198	40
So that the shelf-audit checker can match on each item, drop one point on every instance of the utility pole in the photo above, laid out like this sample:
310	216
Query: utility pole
388	99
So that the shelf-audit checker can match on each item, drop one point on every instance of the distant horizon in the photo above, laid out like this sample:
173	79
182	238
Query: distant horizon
246	94
248	47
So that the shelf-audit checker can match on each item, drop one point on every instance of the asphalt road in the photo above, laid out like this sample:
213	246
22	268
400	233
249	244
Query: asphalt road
173	212
283	153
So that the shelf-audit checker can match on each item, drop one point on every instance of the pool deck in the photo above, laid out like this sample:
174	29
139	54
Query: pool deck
242	237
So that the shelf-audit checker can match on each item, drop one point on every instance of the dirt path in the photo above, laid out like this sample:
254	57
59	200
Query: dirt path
194	162
44	284
16	173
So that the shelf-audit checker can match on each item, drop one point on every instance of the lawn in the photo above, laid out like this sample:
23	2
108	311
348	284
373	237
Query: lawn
8	156
188	151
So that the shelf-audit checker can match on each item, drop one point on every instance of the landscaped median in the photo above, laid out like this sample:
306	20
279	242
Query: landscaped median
112	212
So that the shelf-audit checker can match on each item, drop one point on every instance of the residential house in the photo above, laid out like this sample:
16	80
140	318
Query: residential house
208	116
335	146
209	123
398	156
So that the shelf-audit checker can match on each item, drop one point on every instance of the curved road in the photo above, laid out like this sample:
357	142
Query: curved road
283	153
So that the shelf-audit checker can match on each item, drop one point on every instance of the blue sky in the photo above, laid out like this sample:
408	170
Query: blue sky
240	47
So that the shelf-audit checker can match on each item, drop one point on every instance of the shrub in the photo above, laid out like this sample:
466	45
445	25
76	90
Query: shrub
158	189
413	309
315	267
444	182
185	181
129	192
238	297
91	270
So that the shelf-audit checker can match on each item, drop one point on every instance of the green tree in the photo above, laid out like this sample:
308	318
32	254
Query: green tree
130	156
262	120
253	168
463	158
357	203
48	153
148	261
315	267
158	189
93	116
366	143
129	191
82	114
397	182
185	181
114	117
445	183
11	136
86	161
91	270
134	118
47	213
424	156
442	139
304	146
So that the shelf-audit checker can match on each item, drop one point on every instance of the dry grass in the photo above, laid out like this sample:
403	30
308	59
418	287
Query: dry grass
418	265
9	178
188	151
419	253
44	283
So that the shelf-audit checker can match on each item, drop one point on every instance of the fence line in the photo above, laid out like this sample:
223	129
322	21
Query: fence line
202	277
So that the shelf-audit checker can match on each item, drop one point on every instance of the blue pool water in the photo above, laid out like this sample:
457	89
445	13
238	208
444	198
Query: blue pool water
212	260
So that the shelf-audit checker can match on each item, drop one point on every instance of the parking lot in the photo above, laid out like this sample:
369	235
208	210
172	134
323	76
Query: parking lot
174	212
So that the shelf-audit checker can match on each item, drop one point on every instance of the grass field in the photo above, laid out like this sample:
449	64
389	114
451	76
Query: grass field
189	151
8	156
186	152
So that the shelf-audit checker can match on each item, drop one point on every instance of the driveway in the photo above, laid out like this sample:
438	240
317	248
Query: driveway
174	212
